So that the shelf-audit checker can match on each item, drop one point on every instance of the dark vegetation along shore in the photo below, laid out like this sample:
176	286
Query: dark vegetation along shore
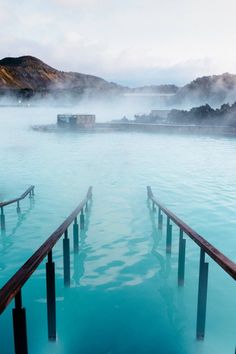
202	116
205	115
199	120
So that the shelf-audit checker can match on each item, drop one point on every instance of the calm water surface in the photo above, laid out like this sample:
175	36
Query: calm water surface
124	296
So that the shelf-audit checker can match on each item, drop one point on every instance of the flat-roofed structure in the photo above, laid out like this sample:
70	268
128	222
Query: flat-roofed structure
79	120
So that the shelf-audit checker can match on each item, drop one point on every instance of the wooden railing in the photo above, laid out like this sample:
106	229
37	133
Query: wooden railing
12	289
205	248
29	191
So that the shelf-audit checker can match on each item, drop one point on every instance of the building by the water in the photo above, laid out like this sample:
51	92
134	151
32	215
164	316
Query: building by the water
76	120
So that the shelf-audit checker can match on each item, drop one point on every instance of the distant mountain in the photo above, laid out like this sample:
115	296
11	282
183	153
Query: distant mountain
30	73
26	77
215	90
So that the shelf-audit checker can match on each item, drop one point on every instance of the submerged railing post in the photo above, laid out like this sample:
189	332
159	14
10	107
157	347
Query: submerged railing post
76	236
160	219
153	207
168	235
206	249
66	259
3	225
19	326
31	194
82	219
181	260
12	288
18	207
202	296
51	297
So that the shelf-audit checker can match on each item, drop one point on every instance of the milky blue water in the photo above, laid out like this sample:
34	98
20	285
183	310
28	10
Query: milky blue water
124	296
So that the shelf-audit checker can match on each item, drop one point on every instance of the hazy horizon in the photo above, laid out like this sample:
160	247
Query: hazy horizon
132	43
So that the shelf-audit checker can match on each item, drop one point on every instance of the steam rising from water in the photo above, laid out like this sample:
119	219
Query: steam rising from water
123	284
105	109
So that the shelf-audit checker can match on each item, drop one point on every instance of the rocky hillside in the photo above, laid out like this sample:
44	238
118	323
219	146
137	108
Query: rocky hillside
215	90
27	77
30	73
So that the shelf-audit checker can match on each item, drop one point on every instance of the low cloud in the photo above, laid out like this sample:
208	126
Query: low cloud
123	42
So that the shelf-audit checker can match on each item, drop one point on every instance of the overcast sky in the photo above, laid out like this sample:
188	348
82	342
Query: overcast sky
132	42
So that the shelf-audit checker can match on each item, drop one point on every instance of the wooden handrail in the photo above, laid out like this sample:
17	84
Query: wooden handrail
223	261
14	285
28	191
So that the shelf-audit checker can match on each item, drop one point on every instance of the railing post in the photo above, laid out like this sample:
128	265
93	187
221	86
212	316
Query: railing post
19	326
153	207
202	296
66	259
168	235
3	225
76	236
51	297
181	260
160	219
18	207
82	219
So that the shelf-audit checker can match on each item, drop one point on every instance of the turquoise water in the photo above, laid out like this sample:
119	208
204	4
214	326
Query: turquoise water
124	296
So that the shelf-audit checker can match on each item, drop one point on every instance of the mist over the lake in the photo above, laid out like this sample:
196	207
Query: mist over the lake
117	177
